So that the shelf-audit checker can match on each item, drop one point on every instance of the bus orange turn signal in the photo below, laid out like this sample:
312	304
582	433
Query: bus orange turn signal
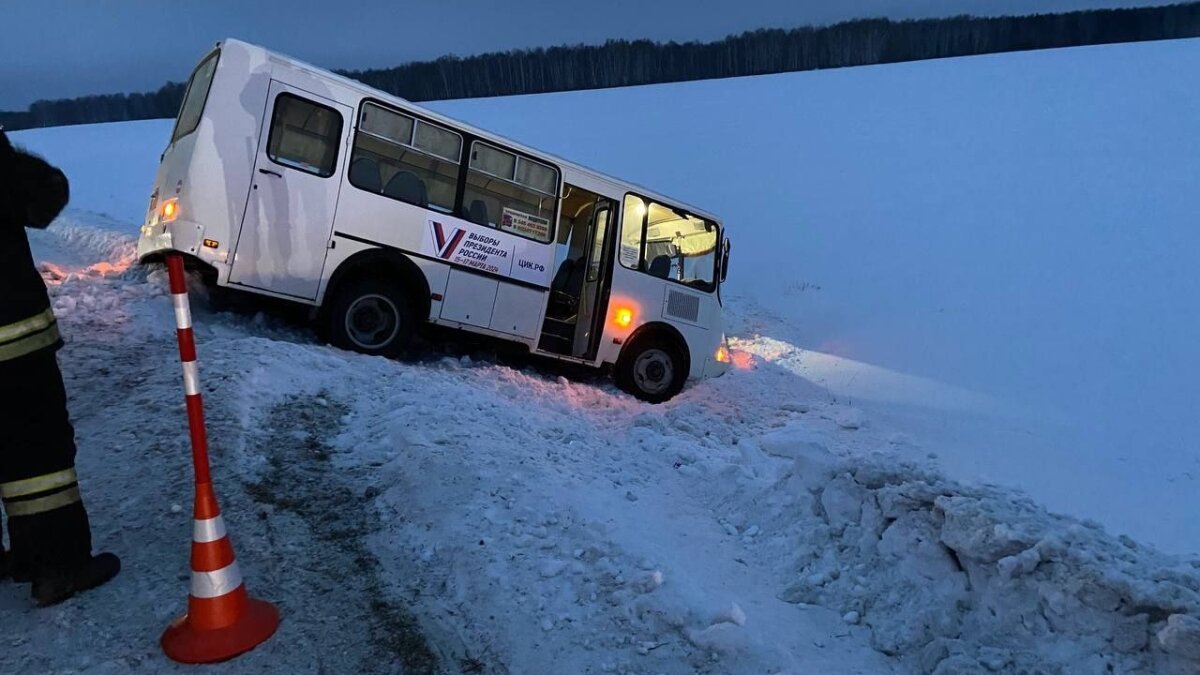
170	210
623	317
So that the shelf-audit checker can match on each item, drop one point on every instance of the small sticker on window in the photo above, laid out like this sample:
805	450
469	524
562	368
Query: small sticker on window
525	224
629	255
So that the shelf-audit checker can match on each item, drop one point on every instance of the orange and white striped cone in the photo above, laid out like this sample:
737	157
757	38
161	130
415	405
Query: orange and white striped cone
222	620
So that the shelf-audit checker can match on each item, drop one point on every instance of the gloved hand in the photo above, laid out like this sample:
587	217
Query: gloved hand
32	192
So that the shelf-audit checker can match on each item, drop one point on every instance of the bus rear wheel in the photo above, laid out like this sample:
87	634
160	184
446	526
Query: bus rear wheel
371	317
652	370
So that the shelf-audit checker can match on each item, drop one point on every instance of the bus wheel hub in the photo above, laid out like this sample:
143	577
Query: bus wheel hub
654	371
372	321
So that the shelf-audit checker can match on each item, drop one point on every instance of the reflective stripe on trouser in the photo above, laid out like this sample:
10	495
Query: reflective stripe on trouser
32	507
48	524
31	496
28	342
43	483
19	329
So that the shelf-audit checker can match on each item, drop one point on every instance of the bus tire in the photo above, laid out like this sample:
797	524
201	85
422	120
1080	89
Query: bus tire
652	369
370	316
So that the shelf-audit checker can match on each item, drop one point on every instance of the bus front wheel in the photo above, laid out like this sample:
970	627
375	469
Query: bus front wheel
652	369
370	316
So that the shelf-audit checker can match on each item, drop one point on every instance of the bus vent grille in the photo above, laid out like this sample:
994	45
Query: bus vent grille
683	306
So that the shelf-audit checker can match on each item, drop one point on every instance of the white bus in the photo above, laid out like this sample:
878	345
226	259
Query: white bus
290	181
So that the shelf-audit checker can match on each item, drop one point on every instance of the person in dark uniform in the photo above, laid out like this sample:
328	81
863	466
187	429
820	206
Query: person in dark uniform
49	536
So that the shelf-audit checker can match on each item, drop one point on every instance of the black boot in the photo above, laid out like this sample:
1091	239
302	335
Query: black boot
10	570
55	586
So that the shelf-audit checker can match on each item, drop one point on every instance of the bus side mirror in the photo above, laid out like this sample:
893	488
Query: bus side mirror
725	261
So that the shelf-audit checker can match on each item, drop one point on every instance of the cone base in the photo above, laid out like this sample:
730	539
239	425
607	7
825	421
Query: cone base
185	643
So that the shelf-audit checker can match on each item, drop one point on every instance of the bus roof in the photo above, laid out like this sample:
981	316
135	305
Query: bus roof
368	91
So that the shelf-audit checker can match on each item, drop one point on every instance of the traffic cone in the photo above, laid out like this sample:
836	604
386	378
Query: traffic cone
222	620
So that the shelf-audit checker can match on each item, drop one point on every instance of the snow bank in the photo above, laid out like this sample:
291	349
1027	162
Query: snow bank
954	578
90	269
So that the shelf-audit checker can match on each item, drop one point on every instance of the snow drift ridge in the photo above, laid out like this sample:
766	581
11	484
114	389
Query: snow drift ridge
958	579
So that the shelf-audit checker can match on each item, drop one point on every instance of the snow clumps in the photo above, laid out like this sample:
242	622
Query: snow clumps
955	579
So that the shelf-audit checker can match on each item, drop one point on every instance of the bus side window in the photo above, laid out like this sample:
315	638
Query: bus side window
405	158
510	192
304	135
598	236
633	223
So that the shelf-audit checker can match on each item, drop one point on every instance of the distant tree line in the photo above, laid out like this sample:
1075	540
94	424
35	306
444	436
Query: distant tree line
619	63
101	108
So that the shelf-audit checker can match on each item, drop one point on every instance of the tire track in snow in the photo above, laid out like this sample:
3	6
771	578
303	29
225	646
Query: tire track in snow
334	580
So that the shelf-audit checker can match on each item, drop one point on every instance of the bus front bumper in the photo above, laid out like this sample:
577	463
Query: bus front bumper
180	235
714	368
718	362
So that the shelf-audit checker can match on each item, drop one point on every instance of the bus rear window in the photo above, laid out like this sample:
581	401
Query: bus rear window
194	99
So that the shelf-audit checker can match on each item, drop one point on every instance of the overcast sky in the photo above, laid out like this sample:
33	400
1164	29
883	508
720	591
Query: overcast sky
62	48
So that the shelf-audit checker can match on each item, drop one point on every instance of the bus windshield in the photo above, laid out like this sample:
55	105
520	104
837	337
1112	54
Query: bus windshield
669	244
195	97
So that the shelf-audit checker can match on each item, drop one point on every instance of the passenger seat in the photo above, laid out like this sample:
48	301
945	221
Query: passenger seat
478	213
660	267
364	173
407	187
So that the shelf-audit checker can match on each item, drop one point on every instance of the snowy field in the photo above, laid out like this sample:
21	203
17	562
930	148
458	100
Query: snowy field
1021	225
951	279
